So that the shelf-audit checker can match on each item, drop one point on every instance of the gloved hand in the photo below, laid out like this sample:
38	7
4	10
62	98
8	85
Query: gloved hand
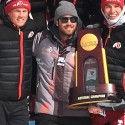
113	105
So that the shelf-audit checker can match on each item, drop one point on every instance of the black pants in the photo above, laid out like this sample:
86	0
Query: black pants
14	112
44	119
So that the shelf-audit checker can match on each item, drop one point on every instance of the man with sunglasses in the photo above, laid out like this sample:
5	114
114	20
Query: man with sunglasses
54	50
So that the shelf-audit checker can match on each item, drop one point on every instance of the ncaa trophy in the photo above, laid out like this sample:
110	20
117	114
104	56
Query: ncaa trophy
91	81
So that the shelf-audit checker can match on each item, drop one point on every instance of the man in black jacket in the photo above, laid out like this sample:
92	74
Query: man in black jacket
16	36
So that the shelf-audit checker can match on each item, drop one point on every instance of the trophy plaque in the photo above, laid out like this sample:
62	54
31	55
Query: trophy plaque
91	81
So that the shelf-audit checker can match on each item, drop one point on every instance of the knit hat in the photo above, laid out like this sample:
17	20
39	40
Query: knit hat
119	2
65	8
13	4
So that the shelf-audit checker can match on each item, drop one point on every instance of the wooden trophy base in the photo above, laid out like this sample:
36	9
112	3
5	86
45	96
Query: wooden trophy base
79	99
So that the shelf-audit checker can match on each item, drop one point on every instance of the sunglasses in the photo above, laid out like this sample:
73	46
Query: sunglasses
65	19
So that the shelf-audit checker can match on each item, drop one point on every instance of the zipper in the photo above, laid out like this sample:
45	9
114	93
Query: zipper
53	66
19	31
21	64
37	85
109	33
108	37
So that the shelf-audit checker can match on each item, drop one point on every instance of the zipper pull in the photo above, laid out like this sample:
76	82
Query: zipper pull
109	33
53	63
19	31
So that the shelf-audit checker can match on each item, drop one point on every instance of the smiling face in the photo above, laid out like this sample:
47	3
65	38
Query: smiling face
67	28
112	11
18	16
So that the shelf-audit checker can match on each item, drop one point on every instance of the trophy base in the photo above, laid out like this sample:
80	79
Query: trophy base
80	99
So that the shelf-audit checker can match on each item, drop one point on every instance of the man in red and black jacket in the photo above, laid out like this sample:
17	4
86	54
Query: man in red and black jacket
16	36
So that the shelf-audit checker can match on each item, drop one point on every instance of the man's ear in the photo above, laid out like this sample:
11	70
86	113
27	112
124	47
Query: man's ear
56	22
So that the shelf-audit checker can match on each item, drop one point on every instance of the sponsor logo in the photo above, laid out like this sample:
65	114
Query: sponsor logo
61	61
113	0
20	3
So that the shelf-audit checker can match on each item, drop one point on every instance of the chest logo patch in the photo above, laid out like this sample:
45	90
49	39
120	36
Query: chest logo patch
50	49
61	61
31	34
117	45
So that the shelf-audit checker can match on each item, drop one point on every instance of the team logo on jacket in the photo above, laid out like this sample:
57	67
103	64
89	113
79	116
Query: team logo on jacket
31	34
120	122
50	49
117	45
61	61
